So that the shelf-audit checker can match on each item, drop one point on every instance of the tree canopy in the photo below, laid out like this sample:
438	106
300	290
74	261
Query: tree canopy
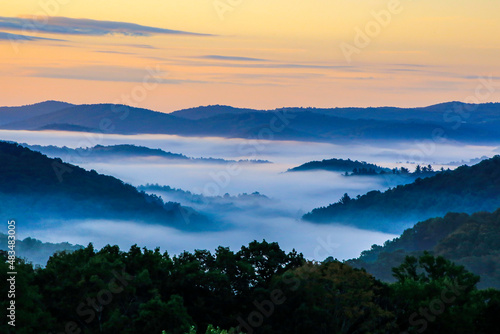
258	289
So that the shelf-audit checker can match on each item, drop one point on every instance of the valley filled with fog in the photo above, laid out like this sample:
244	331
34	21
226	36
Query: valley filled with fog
274	202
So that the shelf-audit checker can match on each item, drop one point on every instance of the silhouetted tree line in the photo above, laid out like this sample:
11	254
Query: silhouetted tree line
419	171
259	289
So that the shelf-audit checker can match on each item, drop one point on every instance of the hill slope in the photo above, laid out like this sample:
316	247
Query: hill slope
472	241
37	189
466	189
106	118
337	165
15	114
210	111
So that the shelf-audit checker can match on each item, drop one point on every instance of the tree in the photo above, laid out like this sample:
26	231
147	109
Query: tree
434	294
345	199
30	313
156	315
331	297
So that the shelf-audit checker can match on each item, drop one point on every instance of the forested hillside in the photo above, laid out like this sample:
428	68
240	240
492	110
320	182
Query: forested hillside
35	188
337	165
465	189
469	240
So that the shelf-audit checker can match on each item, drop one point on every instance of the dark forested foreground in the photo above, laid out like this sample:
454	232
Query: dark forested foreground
259	289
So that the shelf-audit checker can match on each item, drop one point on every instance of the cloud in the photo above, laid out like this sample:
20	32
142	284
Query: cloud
141	46
264	64
106	73
114	52
5	36
70	26
231	58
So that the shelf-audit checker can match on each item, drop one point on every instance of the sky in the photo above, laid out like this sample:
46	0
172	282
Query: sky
171	54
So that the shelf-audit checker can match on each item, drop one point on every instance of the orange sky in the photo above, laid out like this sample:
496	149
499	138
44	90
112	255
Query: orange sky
249	53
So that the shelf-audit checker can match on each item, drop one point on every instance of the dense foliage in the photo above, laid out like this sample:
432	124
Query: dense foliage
466	189
469	240
34	187
259	289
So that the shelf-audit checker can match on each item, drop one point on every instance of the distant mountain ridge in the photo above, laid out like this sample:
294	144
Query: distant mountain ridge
210	204
434	113
100	152
458	121
211	111
16	114
465	189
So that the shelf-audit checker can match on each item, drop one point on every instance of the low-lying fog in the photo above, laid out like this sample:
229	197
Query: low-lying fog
276	219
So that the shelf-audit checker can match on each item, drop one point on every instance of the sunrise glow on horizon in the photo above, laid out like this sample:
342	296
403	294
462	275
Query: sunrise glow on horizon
249	53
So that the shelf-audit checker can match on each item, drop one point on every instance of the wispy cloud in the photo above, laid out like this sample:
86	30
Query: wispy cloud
115	52
71	26
105	73
231	58
5	36
265	64
140	46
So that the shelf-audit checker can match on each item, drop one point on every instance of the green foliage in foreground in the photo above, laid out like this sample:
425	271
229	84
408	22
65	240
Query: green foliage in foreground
259	289
210	330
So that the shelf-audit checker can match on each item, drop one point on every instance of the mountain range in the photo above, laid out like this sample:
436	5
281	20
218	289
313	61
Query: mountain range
452	120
